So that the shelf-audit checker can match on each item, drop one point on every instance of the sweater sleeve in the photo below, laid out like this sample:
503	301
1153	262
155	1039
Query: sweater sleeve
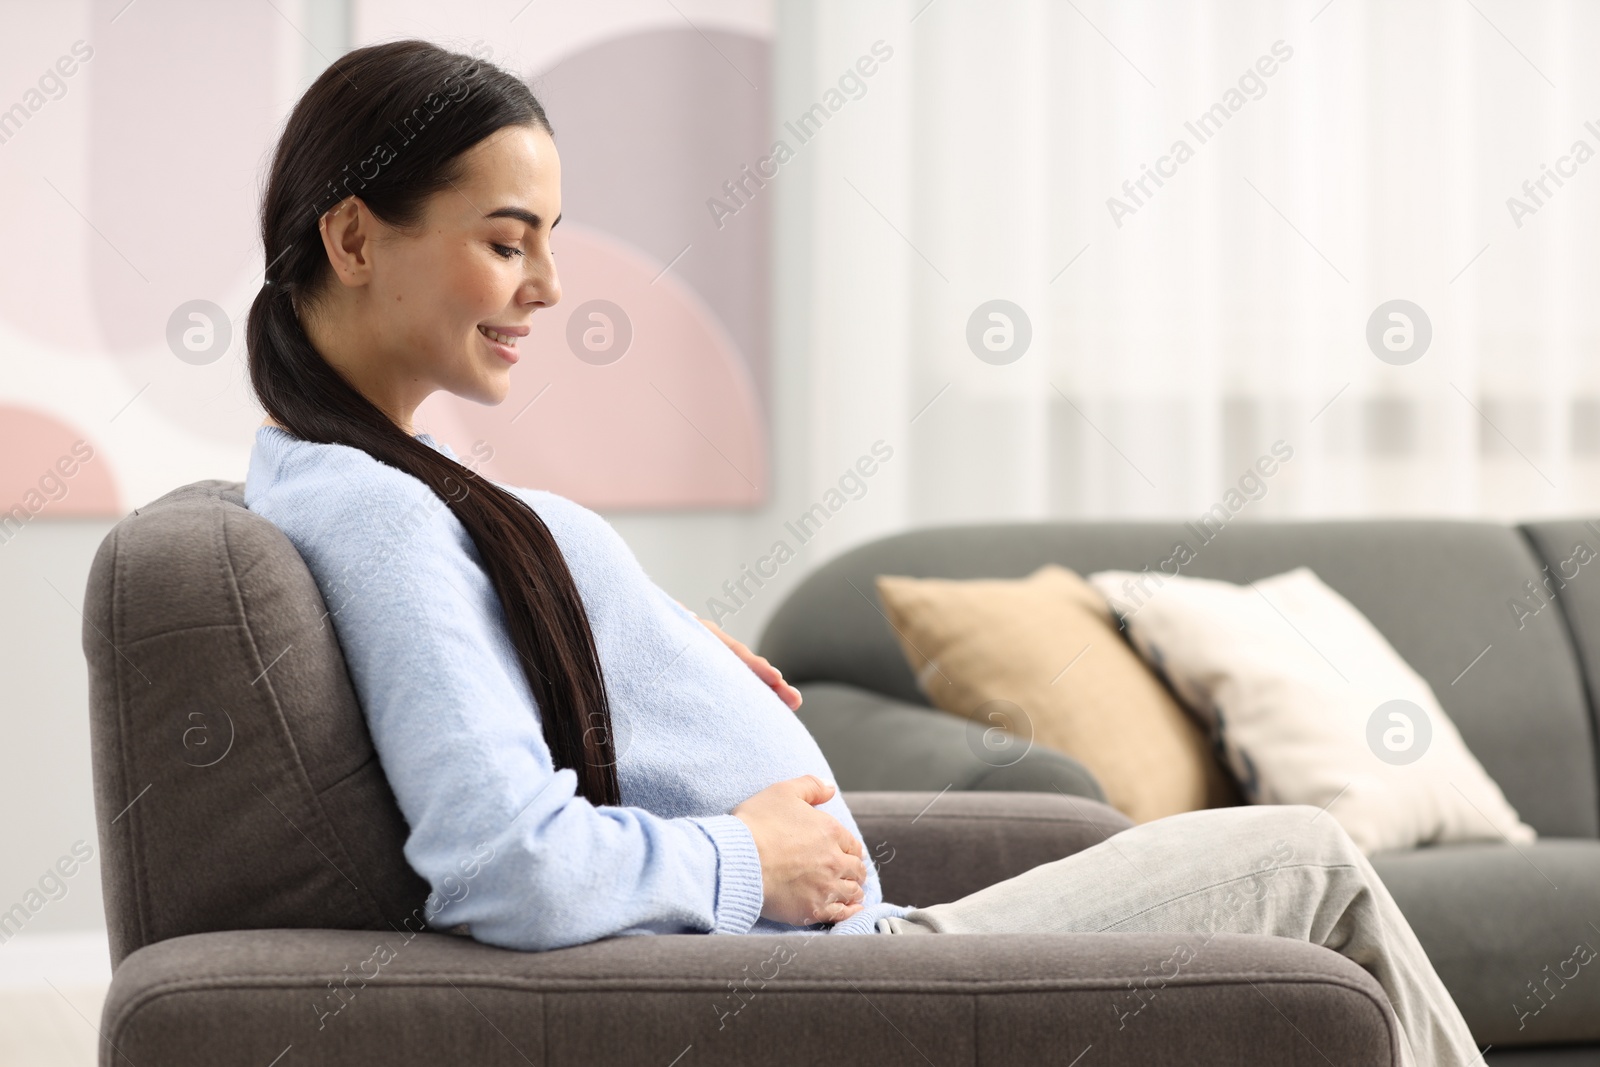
503	839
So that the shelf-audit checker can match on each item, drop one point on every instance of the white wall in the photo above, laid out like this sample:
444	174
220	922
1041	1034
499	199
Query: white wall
44	720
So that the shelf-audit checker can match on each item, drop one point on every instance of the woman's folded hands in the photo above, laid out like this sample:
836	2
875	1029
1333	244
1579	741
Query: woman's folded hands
812	868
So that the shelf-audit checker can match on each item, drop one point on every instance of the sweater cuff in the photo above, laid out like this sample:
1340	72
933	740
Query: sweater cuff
865	921
739	888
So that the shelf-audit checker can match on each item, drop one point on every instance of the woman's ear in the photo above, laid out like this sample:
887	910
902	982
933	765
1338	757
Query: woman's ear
347	231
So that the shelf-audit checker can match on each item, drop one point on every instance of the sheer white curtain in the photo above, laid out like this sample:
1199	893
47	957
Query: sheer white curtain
1337	156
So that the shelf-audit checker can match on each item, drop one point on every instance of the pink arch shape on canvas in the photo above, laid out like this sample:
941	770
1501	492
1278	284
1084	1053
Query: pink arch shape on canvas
50	470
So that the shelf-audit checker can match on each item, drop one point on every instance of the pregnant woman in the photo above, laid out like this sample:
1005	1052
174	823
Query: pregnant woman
602	761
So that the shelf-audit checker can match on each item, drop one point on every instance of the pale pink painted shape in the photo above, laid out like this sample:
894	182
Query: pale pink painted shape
155	153
36	451
675	423
176	155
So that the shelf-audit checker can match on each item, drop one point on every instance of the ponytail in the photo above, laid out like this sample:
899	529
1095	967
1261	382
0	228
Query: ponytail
332	125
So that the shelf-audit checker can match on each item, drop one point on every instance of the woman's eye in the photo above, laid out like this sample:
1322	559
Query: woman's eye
506	251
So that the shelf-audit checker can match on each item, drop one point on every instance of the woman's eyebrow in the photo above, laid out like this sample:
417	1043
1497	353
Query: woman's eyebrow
520	214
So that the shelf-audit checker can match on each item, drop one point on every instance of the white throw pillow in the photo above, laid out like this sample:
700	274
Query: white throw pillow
1311	705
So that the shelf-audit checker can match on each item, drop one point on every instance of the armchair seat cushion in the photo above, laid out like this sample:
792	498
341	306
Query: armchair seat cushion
249	997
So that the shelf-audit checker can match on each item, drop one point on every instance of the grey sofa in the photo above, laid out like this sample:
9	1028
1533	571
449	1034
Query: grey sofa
1502	925
261	910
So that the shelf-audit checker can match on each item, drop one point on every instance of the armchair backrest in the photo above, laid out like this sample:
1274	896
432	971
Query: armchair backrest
236	786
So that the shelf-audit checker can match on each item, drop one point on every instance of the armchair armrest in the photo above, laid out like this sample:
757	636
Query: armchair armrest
875	742
931	848
299	997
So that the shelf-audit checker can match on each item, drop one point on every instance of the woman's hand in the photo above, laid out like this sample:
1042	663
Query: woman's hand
812	868
764	670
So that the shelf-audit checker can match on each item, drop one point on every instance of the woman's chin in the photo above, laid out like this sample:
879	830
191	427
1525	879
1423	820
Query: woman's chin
490	390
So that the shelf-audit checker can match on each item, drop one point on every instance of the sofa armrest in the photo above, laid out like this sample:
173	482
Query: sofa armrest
298	996
874	742
931	848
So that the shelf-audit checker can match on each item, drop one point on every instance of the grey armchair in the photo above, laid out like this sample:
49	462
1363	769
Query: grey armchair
262	912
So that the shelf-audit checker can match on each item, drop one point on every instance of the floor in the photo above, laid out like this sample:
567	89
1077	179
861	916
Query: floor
51	989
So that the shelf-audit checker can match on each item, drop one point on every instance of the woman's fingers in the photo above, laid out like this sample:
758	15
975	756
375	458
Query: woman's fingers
853	873
759	664
845	897
837	912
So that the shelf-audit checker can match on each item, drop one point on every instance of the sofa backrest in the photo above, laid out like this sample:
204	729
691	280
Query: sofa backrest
1440	591
236	786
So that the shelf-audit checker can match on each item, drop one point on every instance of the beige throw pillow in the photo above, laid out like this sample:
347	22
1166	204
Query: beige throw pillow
1042	657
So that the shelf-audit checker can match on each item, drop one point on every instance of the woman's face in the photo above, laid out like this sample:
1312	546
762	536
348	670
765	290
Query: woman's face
420	304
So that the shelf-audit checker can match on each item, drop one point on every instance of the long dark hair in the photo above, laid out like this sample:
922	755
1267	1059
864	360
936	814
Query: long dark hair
389	123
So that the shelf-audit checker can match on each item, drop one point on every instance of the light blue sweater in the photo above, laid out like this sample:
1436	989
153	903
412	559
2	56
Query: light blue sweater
509	848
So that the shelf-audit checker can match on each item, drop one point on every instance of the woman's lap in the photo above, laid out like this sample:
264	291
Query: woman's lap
1280	870
1198	872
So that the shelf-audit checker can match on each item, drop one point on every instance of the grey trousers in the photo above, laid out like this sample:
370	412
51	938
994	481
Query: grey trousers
1284	870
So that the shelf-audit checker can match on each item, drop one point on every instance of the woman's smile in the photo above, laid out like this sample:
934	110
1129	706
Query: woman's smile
503	340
